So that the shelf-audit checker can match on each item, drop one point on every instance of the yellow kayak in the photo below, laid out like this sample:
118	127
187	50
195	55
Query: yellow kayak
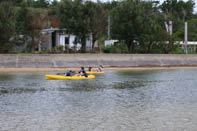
60	77
94	72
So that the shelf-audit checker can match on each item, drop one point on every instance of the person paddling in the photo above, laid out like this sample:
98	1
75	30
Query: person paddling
100	68
68	73
83	72
89	69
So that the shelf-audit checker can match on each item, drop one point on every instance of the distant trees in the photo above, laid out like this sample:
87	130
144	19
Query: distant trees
135	23
7	26
140	25
98	21
30	22
177	11
192	28
82	19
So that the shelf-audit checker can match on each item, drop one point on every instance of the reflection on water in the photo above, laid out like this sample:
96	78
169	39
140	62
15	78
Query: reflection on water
117	100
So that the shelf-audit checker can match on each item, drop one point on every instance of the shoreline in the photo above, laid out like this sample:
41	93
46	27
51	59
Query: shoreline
33	70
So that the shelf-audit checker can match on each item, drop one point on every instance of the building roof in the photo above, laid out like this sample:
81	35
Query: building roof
50	30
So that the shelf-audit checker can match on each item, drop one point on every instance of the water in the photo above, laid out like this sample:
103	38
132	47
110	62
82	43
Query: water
118	100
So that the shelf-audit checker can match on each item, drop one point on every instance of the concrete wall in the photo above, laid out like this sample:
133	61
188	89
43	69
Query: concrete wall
109	60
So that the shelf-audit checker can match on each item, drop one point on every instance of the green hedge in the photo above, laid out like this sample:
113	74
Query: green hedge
116	48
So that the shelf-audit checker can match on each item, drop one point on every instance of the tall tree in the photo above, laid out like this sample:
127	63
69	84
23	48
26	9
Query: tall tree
75	18
192	31
30	21
98	20
39	20
128	21
177	11
41	3
23	21
7	26
153	35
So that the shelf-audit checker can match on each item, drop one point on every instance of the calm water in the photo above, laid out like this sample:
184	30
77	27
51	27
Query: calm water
118	100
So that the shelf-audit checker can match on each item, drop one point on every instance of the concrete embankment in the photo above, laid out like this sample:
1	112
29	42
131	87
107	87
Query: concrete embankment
107	60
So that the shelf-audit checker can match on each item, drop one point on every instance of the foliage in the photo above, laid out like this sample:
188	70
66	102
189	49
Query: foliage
97	26
7	26
177	11
101	42
30	22
192	29
23	21
116	48
73	18
59	49
130	20
178	50
138	24
81	19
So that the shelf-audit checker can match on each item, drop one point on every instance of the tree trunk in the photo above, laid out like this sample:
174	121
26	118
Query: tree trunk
130	45
149	47
93	42
83	46
33	44
170	45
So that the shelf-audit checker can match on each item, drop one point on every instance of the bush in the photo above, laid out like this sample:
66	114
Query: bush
178	51
116	48
58	49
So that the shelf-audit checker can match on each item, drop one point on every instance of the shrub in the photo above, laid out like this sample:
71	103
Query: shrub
116	48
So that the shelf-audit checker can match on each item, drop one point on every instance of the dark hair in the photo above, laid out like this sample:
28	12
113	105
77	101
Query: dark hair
82	68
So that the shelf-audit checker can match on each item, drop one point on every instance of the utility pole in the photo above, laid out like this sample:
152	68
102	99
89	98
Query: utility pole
185	43
108	27
170	28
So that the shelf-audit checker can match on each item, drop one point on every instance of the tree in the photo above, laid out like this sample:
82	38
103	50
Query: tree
23	21
192	31
75	17
30	21
177	11
41	3
98	20
13	1
54	3
153	36
39	20
7	26
129	19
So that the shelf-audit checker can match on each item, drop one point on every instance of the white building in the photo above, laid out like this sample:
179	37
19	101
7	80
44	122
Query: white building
110	42
55	37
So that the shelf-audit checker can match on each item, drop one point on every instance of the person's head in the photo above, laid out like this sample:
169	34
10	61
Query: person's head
90	67
82	68
101	66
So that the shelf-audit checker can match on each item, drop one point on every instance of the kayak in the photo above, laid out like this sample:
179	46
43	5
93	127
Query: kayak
94	72
60	77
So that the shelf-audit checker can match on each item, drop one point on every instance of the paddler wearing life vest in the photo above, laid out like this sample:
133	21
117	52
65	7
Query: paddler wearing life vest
83	72
100	68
